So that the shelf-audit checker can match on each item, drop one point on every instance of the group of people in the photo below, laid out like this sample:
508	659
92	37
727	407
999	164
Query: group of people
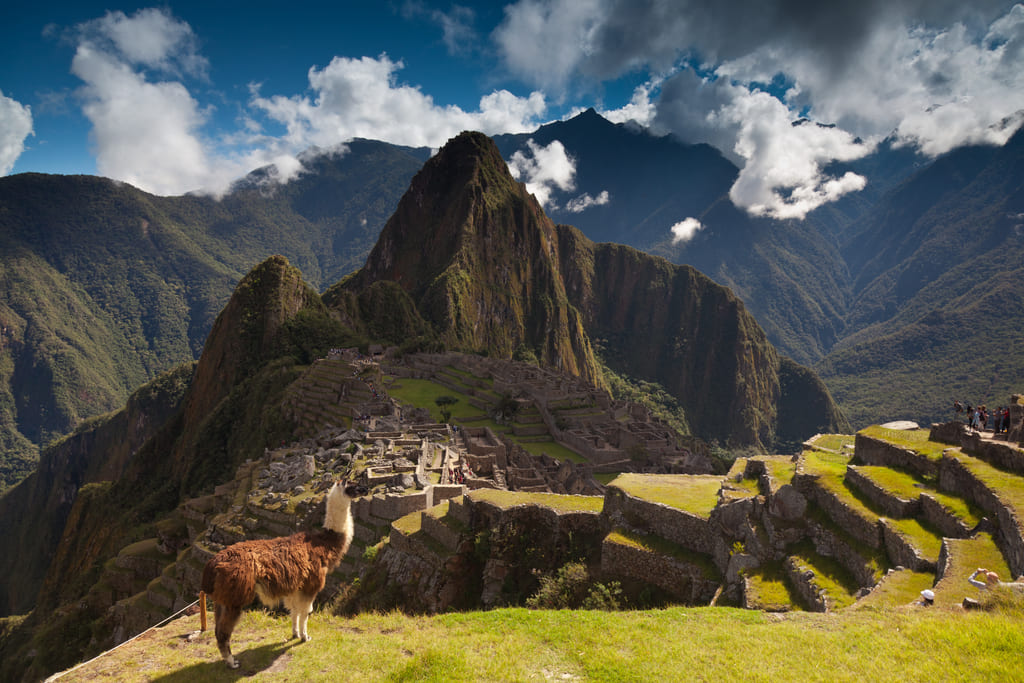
980	417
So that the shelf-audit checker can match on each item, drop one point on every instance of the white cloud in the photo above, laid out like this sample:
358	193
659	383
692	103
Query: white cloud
362	98
937	75
15	127
149	130
684	230
585	201
544	170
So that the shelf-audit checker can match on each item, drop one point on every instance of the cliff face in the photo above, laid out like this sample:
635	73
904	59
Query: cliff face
672	325
479	257
33	514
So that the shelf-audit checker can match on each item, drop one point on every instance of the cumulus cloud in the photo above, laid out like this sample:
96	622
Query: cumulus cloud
148	129
15	127
544	169
740	73
684	230
585	201
362	98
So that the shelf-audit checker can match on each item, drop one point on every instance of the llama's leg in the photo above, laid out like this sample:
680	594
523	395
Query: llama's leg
225	619
305	607
294	605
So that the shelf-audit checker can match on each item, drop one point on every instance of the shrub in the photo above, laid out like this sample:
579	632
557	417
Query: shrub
572	587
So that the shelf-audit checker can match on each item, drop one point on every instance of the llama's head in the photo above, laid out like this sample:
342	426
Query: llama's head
339	498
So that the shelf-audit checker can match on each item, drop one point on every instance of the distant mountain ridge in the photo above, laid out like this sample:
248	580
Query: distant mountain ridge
103	286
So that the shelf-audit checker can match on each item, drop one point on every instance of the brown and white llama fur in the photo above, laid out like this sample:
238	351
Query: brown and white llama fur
291	569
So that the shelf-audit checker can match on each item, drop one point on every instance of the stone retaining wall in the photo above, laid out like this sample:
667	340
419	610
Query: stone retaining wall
901	552
682	528
684	581
864	530
812	596
937	516
829	544
870	451
890	503
954	476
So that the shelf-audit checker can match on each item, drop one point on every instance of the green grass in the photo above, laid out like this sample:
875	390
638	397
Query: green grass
423	393
898	588
908	486
828	574
921	537
834	442
693	644
555	450
769	589
605	477
914	439
559	503
1009	487
696	494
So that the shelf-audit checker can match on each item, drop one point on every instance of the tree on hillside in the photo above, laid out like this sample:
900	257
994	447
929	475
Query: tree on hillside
443	402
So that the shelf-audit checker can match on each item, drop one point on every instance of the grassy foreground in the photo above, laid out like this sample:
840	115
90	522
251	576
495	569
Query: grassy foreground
691	644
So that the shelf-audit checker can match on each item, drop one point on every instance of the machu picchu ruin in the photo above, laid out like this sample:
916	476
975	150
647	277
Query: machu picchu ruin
463	515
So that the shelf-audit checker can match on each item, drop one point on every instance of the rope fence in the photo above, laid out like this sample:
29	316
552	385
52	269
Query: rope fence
201	601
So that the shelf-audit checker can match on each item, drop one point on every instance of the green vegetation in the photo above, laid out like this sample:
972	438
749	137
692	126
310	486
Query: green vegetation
908	487
572	587
875	644
651	395
828	575
696	494
913	439
769	589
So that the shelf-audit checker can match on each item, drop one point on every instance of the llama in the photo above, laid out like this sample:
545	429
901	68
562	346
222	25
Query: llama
291	569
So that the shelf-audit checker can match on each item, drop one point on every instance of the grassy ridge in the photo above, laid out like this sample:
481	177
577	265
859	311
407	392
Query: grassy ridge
692	644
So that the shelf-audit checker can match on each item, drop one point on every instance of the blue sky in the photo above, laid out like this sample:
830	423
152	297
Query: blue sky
186	96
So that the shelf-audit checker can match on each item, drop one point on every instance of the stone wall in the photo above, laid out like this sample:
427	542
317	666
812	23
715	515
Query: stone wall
829	544
864	530
948	524
891	504
682	580
682	528
1016	431
811	595
953	476
901	552
871	451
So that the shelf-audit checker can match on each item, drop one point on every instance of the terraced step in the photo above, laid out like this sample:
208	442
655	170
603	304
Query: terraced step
768	588
897	587
958	559
999	493
822	583
675	507
900	494
908	450
687	576
443	527
821	478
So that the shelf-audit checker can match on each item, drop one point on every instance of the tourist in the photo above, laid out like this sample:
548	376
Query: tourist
991	581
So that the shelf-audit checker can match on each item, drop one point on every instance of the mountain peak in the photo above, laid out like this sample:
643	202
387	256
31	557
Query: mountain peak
478	256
